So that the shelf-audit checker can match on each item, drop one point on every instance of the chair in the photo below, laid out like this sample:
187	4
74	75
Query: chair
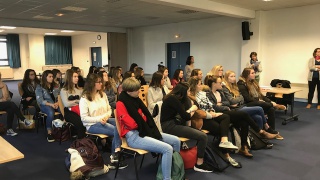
143	92
61	106
128	150
24	111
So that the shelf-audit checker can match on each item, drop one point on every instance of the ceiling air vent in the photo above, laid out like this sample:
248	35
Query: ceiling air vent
187	11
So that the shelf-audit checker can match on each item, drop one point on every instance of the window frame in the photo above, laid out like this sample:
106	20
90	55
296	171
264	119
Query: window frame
7	59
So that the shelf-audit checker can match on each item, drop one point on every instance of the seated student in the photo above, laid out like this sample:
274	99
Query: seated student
92	70
116	79
137	125
28	86
156	92
139	74
177	77
111	95
216	123
133	67
125	76
57	77
95	113
80	77
252	95
231	92
165	72
47	94
177	103
70	96
196	73
239	119
100	69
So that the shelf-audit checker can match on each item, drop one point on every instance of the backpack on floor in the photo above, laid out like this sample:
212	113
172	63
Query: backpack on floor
177	168
236	139
215	158
256	142
89	153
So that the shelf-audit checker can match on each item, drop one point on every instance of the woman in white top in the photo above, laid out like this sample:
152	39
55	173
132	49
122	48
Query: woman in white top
255	65
156	92
70	96
95	113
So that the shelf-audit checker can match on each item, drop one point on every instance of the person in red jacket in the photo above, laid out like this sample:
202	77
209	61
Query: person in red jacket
139	128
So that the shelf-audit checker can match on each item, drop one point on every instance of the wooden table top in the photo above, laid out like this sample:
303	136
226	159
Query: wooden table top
8	152
280	90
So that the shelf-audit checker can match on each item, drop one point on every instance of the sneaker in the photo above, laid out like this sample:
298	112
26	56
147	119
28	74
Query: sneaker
28	122
228	145
114	157
50	138
122	165
234	163
10	132
272	131
279	137
204	167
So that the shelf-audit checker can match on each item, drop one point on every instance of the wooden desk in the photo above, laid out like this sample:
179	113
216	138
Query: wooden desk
8	152
292	116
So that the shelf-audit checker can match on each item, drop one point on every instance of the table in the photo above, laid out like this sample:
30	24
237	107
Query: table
8	152
292	116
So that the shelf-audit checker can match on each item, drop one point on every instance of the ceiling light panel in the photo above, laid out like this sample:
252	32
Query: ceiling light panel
74	9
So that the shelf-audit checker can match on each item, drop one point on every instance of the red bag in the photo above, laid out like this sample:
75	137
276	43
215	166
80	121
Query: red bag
189	157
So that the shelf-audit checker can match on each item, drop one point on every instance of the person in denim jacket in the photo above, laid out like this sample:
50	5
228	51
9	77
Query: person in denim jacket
47	94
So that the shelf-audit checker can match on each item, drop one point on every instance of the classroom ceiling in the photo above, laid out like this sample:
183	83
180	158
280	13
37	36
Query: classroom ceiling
121	13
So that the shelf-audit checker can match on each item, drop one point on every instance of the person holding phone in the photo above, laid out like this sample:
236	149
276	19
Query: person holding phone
255	65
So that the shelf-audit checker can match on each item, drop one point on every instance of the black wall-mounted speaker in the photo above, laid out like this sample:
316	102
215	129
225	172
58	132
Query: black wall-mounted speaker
246	31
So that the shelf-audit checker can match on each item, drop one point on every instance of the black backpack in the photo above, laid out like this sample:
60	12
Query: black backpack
215	158
256	142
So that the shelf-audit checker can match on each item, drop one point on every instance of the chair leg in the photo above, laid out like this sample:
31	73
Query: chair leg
157	159
142	161
117	168
135	165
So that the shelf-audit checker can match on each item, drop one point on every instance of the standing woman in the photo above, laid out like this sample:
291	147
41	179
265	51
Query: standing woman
250	90
47	94
177	77
107	88
189	67
95	113
177	103
156	92
28	85
256	65
314	77
70	96
137	125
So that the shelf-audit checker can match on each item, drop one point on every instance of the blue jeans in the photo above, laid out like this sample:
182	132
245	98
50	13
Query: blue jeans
165	146
256	113
109	129
49	111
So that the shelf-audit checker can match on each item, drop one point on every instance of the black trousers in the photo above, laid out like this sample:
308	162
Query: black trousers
170	127
242	121
75	119
312	86
12	109
217	126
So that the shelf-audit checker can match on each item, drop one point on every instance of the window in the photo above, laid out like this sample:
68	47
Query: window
3	51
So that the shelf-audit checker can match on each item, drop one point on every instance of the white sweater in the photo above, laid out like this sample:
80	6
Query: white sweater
92	112
65	95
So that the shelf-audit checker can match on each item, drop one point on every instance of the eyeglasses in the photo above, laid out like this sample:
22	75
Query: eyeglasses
221	70
99	82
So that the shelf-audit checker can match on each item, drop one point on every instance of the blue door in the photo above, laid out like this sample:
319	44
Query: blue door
96	57
177	54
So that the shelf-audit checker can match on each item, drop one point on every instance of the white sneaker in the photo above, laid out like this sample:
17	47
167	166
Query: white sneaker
228	145
10	132
233	162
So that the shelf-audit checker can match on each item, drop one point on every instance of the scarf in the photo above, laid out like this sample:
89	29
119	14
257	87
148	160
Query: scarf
145	128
